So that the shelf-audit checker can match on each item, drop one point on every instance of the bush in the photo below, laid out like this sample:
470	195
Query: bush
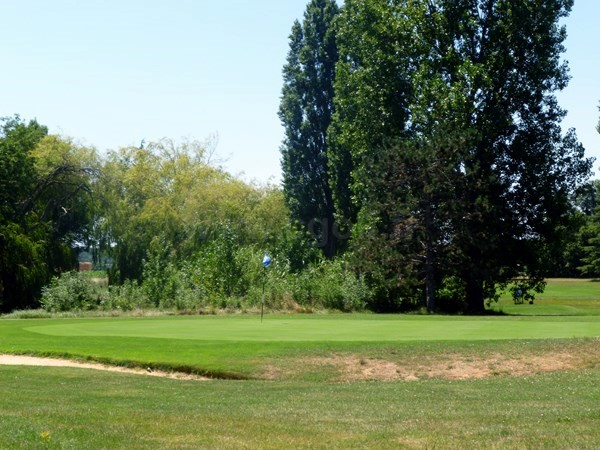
330	285
72	291
451	296
127	297
338	288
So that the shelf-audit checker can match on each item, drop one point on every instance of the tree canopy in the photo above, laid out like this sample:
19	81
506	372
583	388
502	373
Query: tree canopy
306	111
446	144
432	127
45	198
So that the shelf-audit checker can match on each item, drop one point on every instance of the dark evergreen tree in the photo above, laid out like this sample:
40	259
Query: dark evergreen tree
306	110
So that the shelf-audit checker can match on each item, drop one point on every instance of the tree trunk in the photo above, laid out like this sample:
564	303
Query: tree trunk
331	247
475	300
429	260
430	289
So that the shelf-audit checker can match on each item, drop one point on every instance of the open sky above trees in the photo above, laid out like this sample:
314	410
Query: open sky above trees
111	75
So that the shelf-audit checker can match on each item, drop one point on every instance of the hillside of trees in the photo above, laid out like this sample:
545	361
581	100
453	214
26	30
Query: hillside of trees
424	166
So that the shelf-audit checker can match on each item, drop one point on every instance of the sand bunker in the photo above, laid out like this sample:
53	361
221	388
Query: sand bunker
20	360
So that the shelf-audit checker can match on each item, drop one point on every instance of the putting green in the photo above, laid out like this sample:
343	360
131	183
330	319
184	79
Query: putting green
328	328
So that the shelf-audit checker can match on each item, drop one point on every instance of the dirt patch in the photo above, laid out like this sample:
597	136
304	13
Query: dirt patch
349	367
20	360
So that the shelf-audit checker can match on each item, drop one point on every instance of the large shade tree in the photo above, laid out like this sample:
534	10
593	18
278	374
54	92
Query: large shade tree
485	73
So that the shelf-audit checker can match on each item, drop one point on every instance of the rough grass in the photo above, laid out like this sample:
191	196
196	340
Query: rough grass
75	408
449	361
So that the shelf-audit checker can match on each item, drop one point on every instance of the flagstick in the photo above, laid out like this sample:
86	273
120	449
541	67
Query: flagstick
266	262
262	306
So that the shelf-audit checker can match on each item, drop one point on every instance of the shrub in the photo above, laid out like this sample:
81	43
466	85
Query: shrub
127	297
451	296
71	291
159	274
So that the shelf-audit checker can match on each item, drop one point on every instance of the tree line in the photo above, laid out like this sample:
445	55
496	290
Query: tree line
432	130
172	229
423	166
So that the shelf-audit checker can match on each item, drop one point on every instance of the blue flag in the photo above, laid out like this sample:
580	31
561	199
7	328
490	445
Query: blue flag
266	261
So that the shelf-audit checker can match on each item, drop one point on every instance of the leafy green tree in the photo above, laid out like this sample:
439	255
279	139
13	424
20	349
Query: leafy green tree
485	72
173	191
17	173
306	111
45	182
372	91
22	268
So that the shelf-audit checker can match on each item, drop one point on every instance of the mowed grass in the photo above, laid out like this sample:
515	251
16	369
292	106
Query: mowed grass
302	381
76	408
562	297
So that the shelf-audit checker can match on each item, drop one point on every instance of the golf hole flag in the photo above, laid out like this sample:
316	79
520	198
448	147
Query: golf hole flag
266	261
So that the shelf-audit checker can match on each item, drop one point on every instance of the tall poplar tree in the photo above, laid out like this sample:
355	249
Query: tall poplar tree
306	110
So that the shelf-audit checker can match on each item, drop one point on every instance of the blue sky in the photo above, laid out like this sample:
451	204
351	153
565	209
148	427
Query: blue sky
111	73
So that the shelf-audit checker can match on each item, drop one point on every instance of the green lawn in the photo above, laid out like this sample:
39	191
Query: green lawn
562	297
71	408
540	385
242	346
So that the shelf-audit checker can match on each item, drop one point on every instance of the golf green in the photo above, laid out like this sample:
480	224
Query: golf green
327	328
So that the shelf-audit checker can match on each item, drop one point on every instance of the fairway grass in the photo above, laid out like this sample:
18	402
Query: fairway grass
562	297
314	381
78	408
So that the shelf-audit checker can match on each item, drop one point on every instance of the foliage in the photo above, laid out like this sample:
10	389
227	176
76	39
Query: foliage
296	249
371	94
221	276
331	285
159	271
72	291
128	296
306	110
480	178
174	191
45	185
